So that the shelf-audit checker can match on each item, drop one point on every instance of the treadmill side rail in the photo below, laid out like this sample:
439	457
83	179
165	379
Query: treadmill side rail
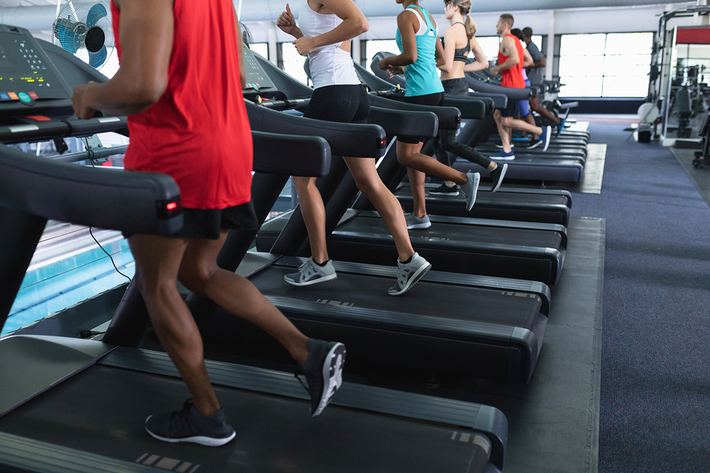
23	454
52	360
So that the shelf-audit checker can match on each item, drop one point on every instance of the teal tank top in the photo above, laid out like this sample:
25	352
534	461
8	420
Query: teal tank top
422	77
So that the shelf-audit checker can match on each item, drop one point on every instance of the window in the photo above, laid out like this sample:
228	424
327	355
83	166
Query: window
605	65
262	49
374	46
293	62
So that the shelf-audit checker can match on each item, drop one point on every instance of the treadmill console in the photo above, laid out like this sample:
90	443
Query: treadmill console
27	76
258	82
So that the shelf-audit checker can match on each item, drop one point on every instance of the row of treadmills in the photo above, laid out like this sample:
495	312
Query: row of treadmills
70	404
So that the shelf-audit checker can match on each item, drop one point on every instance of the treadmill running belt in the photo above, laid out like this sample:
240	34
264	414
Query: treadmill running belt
359	291
480	234
103	409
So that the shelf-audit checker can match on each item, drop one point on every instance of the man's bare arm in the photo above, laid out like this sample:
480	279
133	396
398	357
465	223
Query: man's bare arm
146	35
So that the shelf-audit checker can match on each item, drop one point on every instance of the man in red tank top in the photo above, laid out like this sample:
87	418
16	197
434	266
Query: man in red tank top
510	65
187	118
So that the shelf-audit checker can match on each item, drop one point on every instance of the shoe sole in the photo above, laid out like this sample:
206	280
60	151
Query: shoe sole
502	175
419	226
418	274
549	138
453	194
332	376
199	439
503	158
312	281
536	145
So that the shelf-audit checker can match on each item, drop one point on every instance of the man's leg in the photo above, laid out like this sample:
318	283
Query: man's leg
502	131
542	111
521	125
157	264
200	274
320	361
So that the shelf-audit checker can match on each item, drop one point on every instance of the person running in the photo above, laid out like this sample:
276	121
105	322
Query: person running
205	145
326	28
421	53
510	63
459	40
524	105
535	74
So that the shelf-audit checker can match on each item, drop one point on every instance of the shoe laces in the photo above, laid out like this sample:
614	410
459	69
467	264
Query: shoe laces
180	419
307	269
402	274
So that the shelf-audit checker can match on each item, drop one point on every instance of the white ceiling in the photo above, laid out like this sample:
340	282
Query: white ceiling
26	3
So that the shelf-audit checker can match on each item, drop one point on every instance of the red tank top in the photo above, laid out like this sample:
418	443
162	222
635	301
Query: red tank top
198	132
513	77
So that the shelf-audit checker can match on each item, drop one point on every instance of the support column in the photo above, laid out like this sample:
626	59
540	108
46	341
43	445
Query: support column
273	46
550	53
355	51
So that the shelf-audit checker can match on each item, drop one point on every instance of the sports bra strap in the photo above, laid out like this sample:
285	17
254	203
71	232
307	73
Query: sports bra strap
420	14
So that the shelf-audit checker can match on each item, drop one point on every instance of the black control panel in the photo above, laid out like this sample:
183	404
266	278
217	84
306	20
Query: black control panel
258	82
26	73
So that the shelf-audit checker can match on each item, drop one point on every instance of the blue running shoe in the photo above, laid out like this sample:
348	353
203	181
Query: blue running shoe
503	156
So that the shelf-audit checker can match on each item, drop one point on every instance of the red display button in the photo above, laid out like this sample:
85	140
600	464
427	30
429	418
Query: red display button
39	118
33	95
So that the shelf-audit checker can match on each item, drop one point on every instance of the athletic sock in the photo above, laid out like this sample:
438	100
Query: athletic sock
322	265
409	260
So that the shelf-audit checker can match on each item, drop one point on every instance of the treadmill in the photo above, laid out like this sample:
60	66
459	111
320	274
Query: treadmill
522	250
78	405
508	203
451	322
528	164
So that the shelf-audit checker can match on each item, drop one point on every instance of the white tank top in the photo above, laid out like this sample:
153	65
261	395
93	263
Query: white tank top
329	65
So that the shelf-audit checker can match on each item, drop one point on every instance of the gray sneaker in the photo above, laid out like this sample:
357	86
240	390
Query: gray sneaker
311	272
409	274
470	189
188	425
415	223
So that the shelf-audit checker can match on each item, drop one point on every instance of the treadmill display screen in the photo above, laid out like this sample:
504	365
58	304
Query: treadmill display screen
25	72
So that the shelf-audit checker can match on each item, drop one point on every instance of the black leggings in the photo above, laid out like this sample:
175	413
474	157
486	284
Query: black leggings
446	141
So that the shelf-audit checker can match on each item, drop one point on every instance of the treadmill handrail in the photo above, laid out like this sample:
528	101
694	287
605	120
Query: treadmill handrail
49	129
512	94
77	194
410	123
449	117
290	154
470	107
345	139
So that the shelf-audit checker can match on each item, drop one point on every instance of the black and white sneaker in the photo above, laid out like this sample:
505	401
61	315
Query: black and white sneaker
188	425
445	190
497	176
408	274
324	372
500	146
534	144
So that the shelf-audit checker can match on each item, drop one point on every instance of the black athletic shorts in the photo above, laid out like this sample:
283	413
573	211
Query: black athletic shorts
431	99
455	86
208	223
511	109
339	103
